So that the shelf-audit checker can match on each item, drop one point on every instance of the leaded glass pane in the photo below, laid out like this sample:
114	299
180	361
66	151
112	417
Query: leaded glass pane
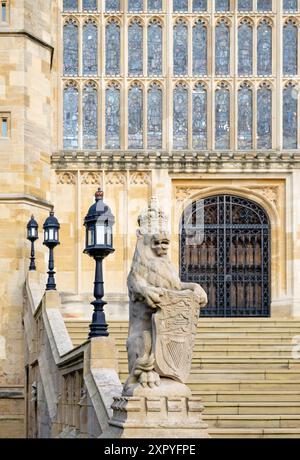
135	49
245	49
200	118
155	49
135	5
245	118
112	49
154	5
264	5
90	117
264	118
180	118
180	49
70	5
112	5
112	118
245	5
264	49
180	5
222	5
290	49
135	118
199	5
70	49
222	49
222	128
154	117
89	5
290	5
290	118
199	49
90	49
70	123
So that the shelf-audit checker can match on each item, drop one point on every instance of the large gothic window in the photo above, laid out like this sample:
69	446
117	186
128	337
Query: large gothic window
135	6
245	117
180	6
290	48
70	5
222	5
112	5
135	117
89	5
290	5
112	48
222	49
199	5
70	121
245	5
199	117
290	117
70	48
180	117
90	116
154	48
245	44
264	5
89	48
222	118
154	117
154	6
199	48
135	49
180	51
264	48
264	117
112	117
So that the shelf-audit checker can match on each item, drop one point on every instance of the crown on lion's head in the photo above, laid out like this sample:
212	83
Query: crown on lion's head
153	220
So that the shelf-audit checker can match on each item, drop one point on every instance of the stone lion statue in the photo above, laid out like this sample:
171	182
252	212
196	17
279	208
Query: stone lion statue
152	280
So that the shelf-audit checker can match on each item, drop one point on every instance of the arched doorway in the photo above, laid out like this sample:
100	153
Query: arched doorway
225	247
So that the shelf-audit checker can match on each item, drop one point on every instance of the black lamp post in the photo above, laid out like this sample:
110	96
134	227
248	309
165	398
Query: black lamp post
51	239
32	236
99	244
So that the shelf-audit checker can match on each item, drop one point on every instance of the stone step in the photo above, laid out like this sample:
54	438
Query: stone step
253	408
254	433
238	385
253	421
235	396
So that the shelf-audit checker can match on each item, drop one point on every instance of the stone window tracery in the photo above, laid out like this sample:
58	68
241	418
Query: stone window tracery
112	116
199	48
70	120
264	48
222	64
245	117
112	48
154	116
290	47
222	117
199	117
155	48
135	48
135	116
180	48
264	117
290	116
90	48
70	40
90	116
245	47
180	117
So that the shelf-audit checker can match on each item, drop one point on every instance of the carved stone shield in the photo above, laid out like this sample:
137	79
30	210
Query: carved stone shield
174	331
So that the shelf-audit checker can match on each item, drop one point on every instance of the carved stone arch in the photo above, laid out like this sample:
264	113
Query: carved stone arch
180	20
71	20
246	20
224	20
266	20
90	20
136	20
155	20
113	20
291	21
202	21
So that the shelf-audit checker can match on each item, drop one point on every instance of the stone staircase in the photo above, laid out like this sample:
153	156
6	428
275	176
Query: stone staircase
242	368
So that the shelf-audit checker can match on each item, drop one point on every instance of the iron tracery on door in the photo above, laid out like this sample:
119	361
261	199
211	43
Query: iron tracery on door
225	247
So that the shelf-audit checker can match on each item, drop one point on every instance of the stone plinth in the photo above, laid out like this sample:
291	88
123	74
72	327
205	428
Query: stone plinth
167	411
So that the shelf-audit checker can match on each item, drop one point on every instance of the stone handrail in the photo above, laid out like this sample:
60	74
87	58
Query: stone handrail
70	390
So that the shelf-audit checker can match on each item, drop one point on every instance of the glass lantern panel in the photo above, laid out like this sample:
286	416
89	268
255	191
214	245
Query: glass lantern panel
51	234
108	235
56	235
46	235
100	233
91	239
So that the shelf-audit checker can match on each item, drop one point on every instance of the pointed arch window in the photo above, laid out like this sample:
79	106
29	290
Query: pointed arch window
180	48
199	5
154	117
264	48
180	117
154	6
264	117
112	48
70	120
222	117
90	116
245	40
89	5
264	5
200	48
222	48
245	5
222	5
290	117
290	5
199	117
135	117
290	48
90	48
135	48
70	5
112	117
112	5
155	48
135	6
70	40
245	118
